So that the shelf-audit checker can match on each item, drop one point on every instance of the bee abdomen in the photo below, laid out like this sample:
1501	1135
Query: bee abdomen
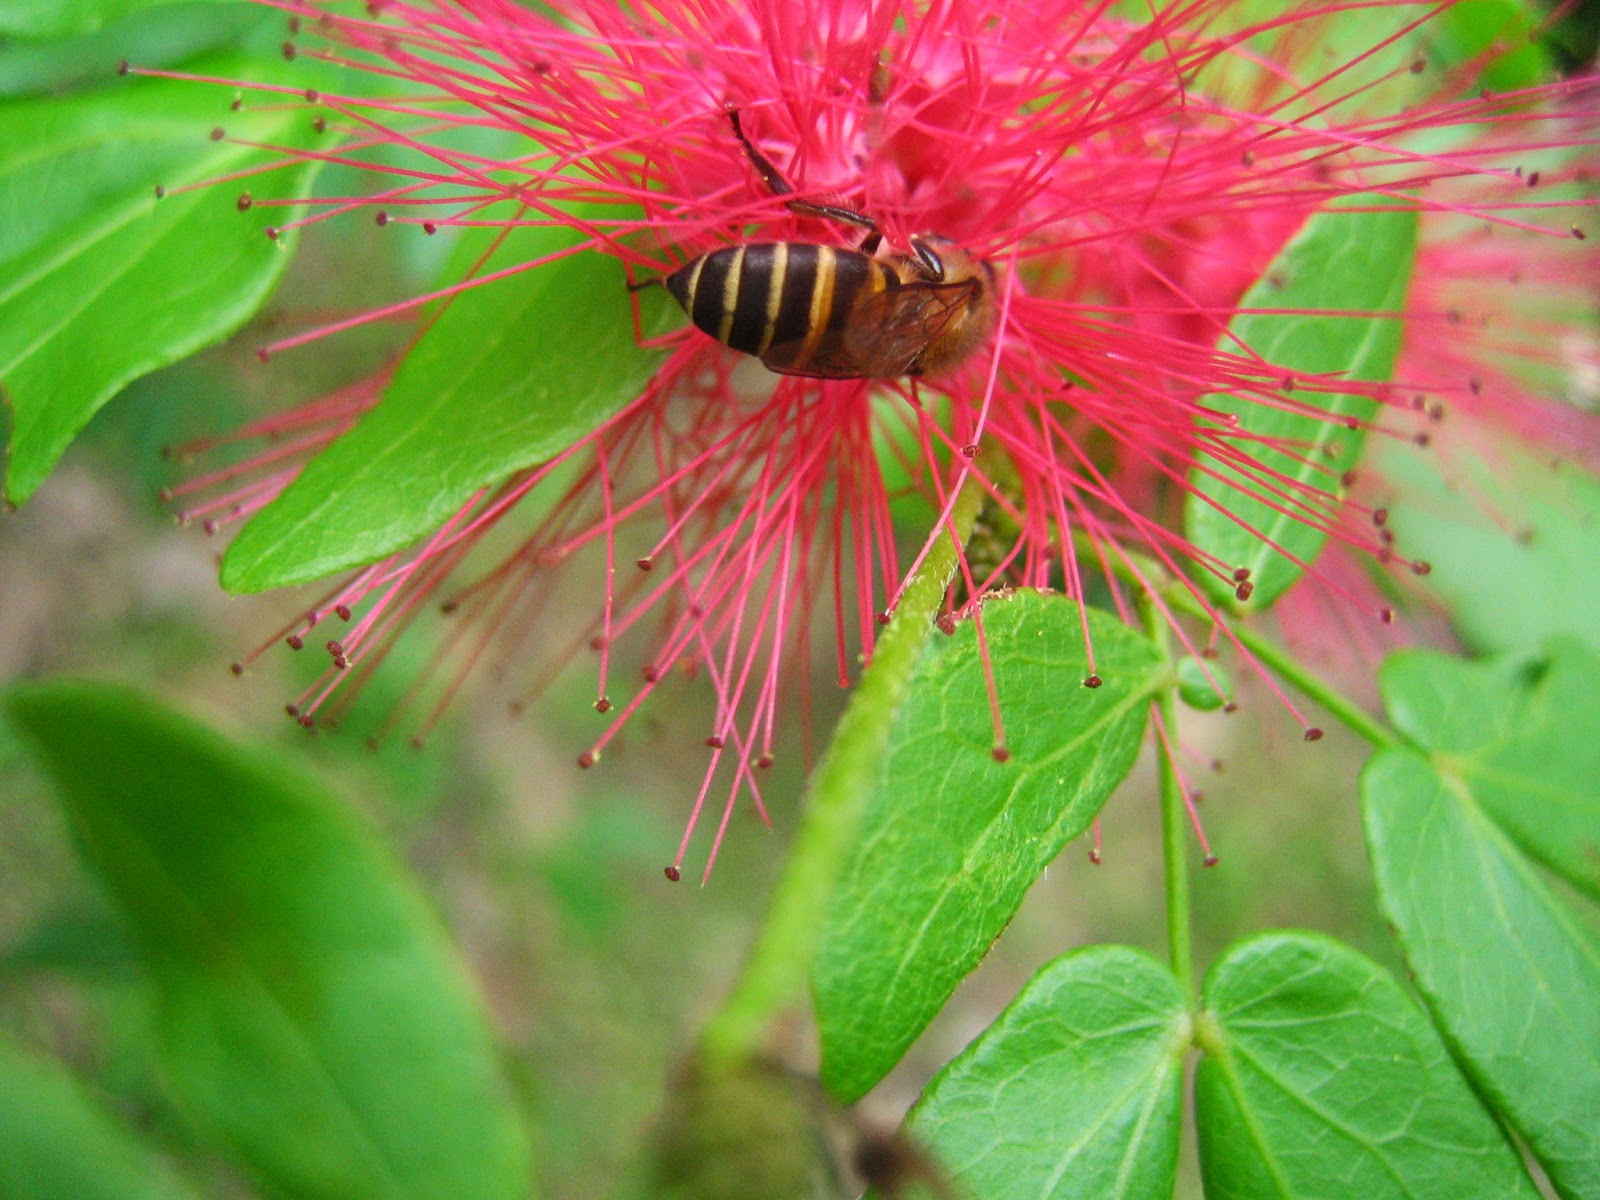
762	294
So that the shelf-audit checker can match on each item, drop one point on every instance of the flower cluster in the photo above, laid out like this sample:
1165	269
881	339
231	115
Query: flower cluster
1127	172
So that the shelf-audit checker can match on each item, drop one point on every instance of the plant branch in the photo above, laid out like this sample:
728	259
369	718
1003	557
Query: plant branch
1174	814
774	976
1148	577
1324	693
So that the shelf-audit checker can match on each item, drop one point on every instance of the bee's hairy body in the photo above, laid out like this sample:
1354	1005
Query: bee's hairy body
833	313
836	313
762	294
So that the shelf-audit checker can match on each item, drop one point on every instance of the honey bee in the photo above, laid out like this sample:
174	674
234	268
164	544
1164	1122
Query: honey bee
835	313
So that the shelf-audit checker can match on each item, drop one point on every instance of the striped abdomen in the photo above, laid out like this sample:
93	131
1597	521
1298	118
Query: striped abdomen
781	301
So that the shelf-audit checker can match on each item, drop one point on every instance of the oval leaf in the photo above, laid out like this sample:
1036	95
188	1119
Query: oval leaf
162	37
312	1014
58	1142
1501	34
1323	1079
510	374
1512	978
1511	542
1269	513
1076	1090
69	18
1513	730
952	839
101	282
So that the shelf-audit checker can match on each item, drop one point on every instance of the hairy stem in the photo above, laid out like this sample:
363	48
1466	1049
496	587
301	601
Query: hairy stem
774	976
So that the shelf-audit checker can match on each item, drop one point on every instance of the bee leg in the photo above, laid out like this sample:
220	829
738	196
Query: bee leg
770	175
638	285
779	186
928	258
848	216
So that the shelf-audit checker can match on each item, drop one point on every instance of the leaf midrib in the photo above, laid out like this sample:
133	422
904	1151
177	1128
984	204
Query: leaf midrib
259	981
117	217
1375	327
953	884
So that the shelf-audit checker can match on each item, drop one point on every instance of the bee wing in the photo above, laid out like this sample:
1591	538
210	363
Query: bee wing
886	333
898	323
831	359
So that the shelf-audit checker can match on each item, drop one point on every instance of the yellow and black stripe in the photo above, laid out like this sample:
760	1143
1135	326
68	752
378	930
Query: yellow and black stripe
787	294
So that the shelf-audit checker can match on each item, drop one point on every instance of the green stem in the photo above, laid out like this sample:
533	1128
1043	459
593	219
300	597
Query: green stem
1181	600
1337	703
774	977
1174	816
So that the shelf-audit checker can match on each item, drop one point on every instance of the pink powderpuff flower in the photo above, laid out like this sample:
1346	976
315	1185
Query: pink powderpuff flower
1126	176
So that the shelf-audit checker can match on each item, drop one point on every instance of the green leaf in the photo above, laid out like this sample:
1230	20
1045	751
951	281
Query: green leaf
510	374
1374	48
68	18
1343	266
1075	1090
1512	731
312	1015
952	839
841	787
1510	543
1512	978
101	282
72	940
1204	686
1323	1079
1502	32
161	37
60	1144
